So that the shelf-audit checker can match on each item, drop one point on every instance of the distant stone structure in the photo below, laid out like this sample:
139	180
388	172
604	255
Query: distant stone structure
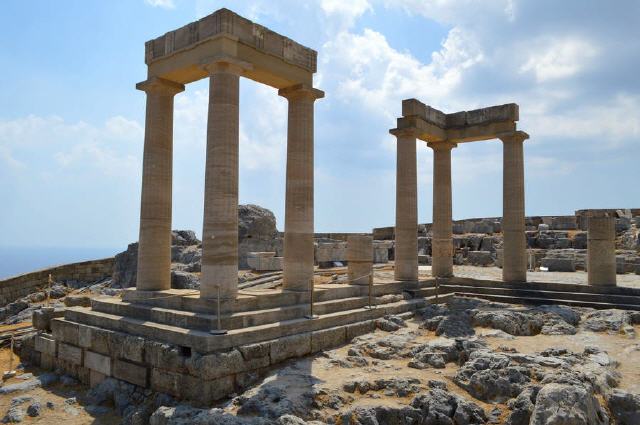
443	132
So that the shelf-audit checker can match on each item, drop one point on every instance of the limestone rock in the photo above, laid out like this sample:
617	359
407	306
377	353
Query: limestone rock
512	322
184	237
624	407
184	280
125	267
564	404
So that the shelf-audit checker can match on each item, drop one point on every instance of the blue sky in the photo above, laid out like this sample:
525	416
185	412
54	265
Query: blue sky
72	123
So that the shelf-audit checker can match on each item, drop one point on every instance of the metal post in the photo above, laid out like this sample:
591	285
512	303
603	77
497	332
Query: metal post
218	331
370	306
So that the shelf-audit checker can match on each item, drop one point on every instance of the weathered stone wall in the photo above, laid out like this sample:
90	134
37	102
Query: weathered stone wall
86	271
91	354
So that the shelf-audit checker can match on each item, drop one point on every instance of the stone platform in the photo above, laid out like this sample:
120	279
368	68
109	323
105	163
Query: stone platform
162	340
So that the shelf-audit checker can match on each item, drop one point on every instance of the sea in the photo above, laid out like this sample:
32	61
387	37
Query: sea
18	260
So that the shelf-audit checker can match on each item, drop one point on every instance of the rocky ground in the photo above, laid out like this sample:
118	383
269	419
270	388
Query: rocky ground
468	362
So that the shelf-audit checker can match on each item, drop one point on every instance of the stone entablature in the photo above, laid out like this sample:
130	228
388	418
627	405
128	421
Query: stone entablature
239	30
465	126
506	112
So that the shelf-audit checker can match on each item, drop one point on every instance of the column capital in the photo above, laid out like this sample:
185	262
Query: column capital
225	64
160	85
440	146
301	91
404	132
515	136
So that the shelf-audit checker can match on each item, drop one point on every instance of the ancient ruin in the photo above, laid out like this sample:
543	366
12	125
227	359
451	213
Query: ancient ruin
224	47
443	132
410	324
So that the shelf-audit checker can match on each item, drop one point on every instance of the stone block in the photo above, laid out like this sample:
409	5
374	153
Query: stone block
97	362
206	392
480	258
620	264
328	338
557	264
356	329
42	318
45	345
47	361
254	351
331	252
290	347
564	223
70	353
64	331
507	112
130	372
84	336
380	255
131	348
164	356
167	382
95	378
215	365
424	259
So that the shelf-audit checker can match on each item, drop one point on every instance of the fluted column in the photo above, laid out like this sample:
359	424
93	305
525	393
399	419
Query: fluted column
406	230
514	257
298	225
154	250
220	224
442	241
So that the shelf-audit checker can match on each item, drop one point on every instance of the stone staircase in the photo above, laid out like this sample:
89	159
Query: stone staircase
542	293
186	320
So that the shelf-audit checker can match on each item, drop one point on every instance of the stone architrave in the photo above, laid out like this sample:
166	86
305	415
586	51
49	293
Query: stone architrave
406	230
154	252
514	266
442	241
298	226
601	251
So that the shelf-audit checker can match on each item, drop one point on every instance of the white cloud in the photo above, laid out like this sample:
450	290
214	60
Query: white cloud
109	149
370	72
351	8
607	125
262	135
165	4
553	59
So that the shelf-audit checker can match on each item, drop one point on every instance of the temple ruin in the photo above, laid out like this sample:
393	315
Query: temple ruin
206	344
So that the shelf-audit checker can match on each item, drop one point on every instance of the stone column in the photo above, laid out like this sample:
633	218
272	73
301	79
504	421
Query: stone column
298	225
442	240
220	224
154	250
360	259
514	260
406	230
601	251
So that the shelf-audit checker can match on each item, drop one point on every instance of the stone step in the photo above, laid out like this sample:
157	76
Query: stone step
513	299
206	322
255	299
551	294
546	286
204	342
